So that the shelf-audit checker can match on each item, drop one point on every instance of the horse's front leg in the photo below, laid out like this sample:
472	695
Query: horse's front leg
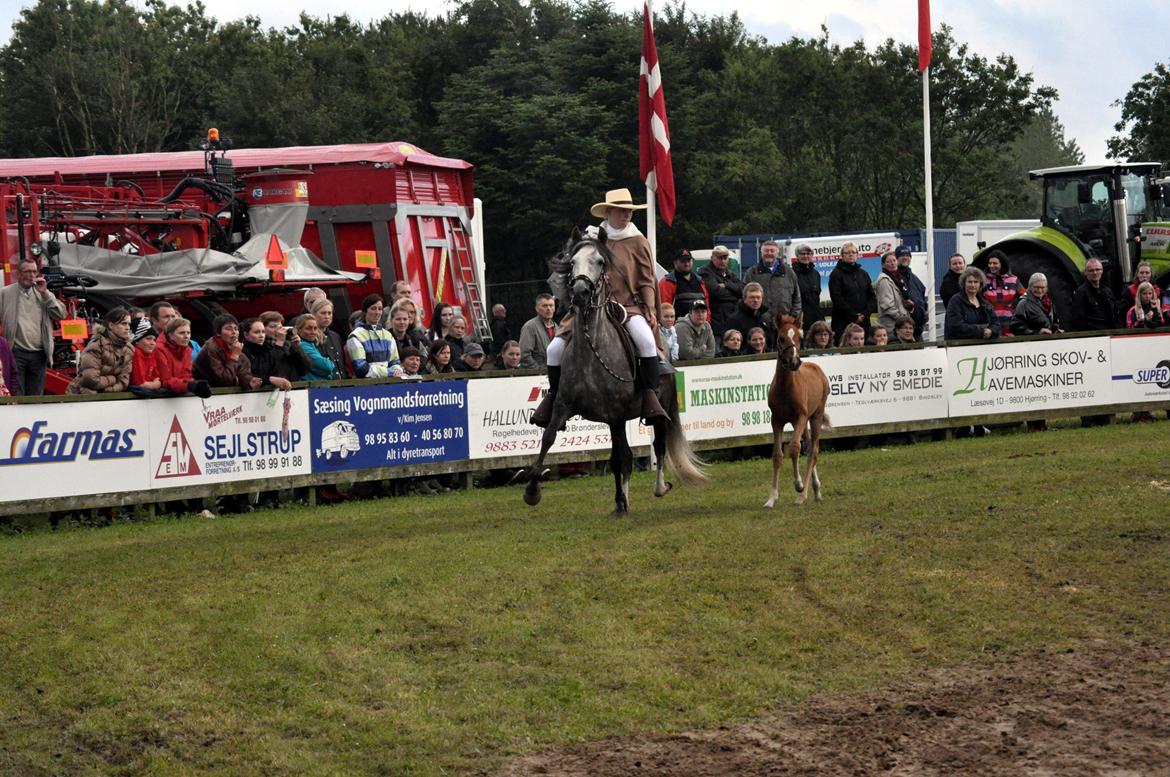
661	485
777	459
621	461
794	453
536	471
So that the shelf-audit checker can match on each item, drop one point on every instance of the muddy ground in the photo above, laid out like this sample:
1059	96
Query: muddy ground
1103	709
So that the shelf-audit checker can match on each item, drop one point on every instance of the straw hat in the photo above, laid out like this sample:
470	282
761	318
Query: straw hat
615	198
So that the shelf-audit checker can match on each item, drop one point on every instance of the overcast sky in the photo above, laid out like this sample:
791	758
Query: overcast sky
1091	51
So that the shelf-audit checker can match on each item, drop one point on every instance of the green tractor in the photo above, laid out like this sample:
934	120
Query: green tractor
1117	213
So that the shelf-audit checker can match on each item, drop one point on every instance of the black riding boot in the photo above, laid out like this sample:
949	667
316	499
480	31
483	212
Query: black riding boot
651	407
543	412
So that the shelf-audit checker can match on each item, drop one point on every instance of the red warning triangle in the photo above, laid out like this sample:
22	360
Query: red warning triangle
274	257
177	460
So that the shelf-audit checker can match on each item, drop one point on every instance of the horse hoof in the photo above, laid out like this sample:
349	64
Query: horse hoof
770	503
532	496
619	512
799	501
665	491
799	488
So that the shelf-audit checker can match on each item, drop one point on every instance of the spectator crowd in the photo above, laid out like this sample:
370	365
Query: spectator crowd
152	352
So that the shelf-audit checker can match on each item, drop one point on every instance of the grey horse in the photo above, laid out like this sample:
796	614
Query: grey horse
598	379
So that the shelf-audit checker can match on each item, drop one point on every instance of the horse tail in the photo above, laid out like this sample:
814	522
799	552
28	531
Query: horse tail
680	459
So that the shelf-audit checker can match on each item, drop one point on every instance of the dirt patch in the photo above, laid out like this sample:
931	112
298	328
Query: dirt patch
1100	710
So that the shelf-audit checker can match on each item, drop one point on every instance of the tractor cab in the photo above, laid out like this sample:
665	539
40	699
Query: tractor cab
1103	208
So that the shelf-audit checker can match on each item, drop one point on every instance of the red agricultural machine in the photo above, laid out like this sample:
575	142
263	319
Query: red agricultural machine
244	232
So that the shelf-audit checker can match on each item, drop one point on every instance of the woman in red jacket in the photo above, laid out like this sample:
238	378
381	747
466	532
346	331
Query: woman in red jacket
173	358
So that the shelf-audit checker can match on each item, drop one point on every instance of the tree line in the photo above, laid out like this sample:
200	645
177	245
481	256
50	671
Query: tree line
541	96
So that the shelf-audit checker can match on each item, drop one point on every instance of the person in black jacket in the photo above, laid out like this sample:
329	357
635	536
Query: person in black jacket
750	313
808	278
852	293
275	363
1093	306
915	287
724	289
499	326
1035	314
969	316
950	282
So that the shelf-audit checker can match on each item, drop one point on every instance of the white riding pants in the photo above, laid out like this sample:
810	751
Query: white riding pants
639	332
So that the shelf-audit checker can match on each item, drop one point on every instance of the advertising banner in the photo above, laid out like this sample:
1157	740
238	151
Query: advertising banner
728	399
731	399
882	388
1141	368
51	450
228	437
388	425
498	423
1005	377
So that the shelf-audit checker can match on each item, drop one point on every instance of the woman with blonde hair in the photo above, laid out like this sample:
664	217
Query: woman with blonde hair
321	367
331	345
1146	312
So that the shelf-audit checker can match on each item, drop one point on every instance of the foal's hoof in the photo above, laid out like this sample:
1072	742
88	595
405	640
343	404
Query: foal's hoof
532	494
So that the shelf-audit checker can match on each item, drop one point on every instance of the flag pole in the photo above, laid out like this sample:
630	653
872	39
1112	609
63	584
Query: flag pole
651	220
931	293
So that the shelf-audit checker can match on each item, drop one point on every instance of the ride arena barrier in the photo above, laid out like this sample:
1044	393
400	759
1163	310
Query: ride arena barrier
67	453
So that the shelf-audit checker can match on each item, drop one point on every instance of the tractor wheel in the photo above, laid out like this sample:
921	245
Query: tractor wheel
1060	284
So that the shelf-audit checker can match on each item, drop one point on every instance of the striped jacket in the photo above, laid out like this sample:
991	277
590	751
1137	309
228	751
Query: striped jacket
372	352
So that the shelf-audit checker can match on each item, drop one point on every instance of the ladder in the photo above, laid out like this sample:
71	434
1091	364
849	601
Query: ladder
463	270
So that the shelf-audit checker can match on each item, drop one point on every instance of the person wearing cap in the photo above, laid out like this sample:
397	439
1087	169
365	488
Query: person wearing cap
682	286
696	340
917	290
472	358
724	289
776	278
808	280
108	357
144	372
632	284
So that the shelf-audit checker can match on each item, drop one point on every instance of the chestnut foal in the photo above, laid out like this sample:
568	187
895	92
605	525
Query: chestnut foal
798	396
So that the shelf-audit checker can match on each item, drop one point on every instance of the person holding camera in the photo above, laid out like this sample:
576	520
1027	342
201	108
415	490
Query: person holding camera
29	311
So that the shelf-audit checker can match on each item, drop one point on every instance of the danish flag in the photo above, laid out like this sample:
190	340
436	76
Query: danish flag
925	45
653	132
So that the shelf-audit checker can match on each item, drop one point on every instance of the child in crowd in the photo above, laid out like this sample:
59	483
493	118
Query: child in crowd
879	336
669	334
144	377
852	337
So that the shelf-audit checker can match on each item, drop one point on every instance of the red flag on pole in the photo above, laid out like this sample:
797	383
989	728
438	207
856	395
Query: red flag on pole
925	47
653	132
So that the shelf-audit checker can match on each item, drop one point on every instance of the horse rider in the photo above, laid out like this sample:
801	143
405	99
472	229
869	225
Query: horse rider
633	284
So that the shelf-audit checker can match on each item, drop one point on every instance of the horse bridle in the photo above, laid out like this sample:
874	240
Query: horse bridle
594	305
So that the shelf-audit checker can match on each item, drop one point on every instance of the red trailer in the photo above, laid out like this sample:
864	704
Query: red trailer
378	212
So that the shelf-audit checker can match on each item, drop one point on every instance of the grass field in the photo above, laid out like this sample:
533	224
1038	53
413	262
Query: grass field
441	635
